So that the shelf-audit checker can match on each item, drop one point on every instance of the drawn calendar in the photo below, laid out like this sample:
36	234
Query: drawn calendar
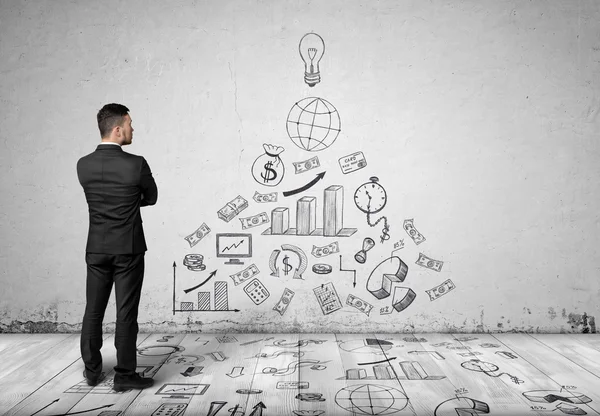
328	298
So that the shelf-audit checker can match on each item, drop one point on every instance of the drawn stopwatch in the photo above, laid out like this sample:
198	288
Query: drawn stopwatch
371	198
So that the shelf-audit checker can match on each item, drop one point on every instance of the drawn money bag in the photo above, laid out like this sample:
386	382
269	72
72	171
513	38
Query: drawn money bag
268	169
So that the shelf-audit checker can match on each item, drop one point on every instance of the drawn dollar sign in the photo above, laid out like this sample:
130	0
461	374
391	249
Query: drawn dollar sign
287	266
384	234
269	173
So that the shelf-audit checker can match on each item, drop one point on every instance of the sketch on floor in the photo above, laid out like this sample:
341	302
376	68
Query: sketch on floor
192	371
159	350
361	255
385	360
412	232
371	198
257	410
264	198
466	339
276	354
256	291
298	263
488	369
236	411
371	399
45	407
232	208
311	48
440	290
195	237
321	268
284	301
352	162
106	412
295	365
441	344
366	346
310	397
551	396
268	168
429	263
308	412
226	339
570	409
458	347
306	165
433	354
217	355
411	370
313	124
325	251
306	216
327	297
292	385
348	270
170	409
507	354
403	298
184	359
254	221
105	387
193	262
243	275
248	391
414	339
298	344
469	354
165	338
214	408
256	340
461	406
359	304
234	246
489	345
199	285
235	372
384	275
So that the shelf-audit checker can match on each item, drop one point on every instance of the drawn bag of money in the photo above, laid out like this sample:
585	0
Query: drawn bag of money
268	169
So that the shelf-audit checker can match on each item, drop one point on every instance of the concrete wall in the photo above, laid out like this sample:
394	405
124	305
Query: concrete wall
480	119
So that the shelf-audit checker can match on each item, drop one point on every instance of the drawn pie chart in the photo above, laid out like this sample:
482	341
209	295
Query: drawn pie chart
391	270
366	346
461	406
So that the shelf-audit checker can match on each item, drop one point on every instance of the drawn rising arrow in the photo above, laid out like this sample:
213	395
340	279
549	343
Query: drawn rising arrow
348	270
236	372
84	411
257	410
305	187
201	284
45	407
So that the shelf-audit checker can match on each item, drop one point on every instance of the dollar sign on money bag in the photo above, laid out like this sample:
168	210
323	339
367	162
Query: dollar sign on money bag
268	168
287	267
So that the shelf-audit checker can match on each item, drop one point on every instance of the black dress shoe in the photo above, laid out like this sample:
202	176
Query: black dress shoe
94	380
135	381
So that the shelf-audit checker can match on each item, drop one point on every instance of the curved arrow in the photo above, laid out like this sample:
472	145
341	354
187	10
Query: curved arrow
305	187
201	284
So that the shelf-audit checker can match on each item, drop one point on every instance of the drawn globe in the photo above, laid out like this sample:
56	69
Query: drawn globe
313	124
371	399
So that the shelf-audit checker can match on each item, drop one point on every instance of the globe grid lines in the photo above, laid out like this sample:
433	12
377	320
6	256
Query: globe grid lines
357	394
311	128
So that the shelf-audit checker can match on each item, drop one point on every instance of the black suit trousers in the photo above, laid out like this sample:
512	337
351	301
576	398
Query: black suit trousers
127	273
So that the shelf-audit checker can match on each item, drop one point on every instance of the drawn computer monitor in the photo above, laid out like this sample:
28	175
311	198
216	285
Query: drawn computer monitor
234	246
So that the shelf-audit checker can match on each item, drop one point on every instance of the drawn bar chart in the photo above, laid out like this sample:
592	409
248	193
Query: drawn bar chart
221	301
306	216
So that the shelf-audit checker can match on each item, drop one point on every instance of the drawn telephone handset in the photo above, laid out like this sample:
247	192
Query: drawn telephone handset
370	198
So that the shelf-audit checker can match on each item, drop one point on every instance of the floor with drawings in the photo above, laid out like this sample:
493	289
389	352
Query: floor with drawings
311	374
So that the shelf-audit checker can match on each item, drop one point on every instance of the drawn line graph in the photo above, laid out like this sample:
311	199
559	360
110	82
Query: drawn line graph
182	389
231	247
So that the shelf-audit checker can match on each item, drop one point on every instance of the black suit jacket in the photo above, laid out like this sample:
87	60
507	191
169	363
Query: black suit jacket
116	185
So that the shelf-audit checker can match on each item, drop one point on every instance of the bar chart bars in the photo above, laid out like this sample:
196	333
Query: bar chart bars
204	303
306	216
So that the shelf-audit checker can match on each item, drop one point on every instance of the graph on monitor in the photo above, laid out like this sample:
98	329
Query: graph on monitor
234	246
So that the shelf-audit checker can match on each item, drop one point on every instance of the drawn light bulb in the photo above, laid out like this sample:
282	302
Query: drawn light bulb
311	49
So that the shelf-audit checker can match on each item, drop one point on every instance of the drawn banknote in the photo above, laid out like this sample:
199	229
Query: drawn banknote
284	301
255	220
306	165
325	250
263	198
243	275
359	304
412	231
440	290
195	237
232	208
429	263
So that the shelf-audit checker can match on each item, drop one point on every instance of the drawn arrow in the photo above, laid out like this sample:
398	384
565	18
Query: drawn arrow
234	411
305	187
84	411
257	410
348	270
45	407
212	310
201	284
236	372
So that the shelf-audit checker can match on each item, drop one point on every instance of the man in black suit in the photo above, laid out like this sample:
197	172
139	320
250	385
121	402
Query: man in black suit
116	185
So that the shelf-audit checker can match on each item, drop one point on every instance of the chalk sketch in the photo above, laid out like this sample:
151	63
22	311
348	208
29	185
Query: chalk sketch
232	208
440	290
184	359
294	366
361	255
371	399
265	198
507	354
195	237
308	412
306	216
384	275
276	354
171	409
398	245
256	291
411	370
226	339
233	246
311	48
429	263
306	186
297	263
298	344
248	391
182	389
307	165
292	385
359	304
284	301
466	339
434	354
313	124
193	262
550	396
192	371
268	168
217	355
165	338
215	407
371	198
366	346
310	397
460	406
412	232
414	339
352	162
257	410
254	221
159	350
403	298
243	275
221	298
199	285
488	369
321	268
324	251
328	299
235	372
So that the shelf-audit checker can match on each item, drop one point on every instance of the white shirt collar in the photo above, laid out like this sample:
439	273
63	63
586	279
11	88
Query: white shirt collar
111	143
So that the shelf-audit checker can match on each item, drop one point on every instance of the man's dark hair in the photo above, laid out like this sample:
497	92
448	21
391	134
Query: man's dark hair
110	116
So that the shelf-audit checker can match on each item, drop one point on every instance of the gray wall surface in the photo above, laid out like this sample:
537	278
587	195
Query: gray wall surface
479	118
